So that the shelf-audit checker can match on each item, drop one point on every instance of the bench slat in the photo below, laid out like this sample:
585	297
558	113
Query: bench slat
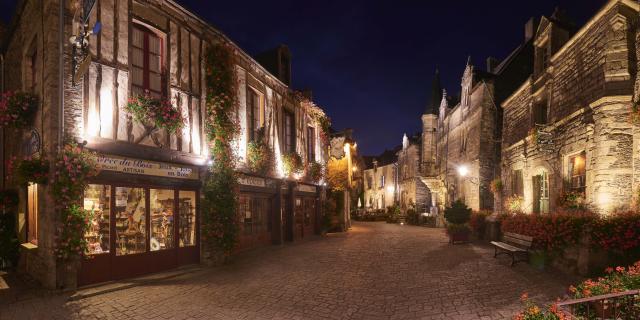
507	246
517	241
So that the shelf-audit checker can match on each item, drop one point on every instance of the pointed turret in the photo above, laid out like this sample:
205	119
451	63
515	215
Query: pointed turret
433	105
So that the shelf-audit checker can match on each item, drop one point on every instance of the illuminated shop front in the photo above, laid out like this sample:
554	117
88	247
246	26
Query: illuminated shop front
143	218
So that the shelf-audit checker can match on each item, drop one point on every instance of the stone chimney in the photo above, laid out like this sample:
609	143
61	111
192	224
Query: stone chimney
530	28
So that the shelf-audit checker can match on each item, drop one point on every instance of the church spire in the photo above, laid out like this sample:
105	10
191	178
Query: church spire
433	105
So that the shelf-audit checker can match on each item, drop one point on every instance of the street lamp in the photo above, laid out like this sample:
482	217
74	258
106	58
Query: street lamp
463	170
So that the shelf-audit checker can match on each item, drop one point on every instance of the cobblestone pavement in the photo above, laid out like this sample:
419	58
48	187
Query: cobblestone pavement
375	271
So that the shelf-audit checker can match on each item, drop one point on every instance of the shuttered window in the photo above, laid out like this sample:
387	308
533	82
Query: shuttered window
147	62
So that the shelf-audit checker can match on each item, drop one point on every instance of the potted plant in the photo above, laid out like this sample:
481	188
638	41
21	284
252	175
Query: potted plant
457	217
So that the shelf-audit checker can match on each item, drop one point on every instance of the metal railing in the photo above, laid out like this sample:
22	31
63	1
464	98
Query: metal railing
621	305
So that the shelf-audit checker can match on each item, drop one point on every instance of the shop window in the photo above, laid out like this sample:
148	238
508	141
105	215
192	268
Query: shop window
187	211
97	200
517	183
161	220
130	216
147	61
254	214
254	112
311	144
577	172
289	132
32	213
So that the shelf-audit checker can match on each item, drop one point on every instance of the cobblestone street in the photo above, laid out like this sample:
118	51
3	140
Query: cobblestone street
375	271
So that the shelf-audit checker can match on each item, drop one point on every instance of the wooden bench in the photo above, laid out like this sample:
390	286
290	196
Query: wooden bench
513	244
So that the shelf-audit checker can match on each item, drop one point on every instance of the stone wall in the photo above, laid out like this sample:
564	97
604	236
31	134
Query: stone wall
588	91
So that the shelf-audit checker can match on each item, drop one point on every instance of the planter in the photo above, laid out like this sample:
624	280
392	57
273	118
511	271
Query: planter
459	237
538	259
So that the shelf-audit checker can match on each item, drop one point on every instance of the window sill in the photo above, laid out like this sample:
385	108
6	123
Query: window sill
29	246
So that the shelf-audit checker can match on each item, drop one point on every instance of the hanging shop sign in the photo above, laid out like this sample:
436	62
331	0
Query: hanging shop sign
252	181
145	167
306	188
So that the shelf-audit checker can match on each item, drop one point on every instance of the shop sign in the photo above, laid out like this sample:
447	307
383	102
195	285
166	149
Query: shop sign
145	167
252	181
306	188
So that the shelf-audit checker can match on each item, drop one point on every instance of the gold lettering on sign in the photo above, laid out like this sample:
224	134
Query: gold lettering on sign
252	181
145	167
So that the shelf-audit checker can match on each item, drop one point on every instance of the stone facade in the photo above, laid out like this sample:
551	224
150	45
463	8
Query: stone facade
568	128
380	185
94	106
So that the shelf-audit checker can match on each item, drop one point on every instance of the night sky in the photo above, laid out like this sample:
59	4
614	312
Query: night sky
370	63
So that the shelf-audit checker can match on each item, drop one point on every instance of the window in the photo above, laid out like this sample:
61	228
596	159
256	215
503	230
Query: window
517	186
130	215
97	201
34	70
147	61
545	57
289	132
254	214
187	214
382	181
162	218
577	172
311	144
253	110
32	213
540	112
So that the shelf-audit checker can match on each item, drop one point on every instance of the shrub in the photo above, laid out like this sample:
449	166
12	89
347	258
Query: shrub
514	204
393	214
533	312
458	213
315	171
496	186
619	231
453	228
553	231
413	218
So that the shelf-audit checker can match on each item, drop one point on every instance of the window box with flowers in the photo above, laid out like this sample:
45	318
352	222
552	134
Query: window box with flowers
292	164
155	113
29	170
17	109
315	171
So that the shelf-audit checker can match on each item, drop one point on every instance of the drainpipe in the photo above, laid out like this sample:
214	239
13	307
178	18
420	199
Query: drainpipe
2	131
61	74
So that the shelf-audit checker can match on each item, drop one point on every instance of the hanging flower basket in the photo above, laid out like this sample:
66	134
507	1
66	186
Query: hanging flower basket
34	170
315	171
157	112
292	164
17	109
259	157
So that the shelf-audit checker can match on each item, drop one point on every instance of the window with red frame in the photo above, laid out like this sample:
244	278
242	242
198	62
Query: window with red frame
147	62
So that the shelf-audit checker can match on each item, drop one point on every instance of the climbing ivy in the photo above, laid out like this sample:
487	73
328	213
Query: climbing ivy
220	223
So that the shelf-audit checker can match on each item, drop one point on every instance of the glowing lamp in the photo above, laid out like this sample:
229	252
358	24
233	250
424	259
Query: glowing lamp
463	170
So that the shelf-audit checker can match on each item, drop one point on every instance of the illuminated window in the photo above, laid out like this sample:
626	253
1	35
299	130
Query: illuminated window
130	215
97	200
162	217
147	61
577	172
32	213
187	209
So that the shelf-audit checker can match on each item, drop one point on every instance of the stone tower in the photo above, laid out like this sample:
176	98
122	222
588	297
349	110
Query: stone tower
430	125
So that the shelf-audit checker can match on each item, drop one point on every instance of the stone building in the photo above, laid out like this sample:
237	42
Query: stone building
461	139
146	172
412	192
569	129
381	181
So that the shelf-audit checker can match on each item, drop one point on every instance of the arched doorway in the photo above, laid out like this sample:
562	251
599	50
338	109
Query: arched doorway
540	188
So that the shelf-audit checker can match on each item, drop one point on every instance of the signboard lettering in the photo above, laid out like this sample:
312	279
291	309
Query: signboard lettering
252	181
306	188
145	167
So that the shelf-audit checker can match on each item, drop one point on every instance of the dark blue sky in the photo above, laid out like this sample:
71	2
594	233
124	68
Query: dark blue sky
370	63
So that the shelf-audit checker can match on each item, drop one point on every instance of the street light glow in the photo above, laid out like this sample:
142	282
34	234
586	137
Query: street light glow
463	170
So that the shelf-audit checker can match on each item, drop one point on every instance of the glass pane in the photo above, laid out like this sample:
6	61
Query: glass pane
187	211
138	38
137	76
137	57
244	208
97	203
154	82
161	219
130	211
154	44
154	63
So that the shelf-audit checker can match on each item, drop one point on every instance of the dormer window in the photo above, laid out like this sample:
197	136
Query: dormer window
543	56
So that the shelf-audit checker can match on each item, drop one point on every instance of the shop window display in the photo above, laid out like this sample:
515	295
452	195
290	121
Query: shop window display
254	214
130	216
162	204
97	200
187	211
